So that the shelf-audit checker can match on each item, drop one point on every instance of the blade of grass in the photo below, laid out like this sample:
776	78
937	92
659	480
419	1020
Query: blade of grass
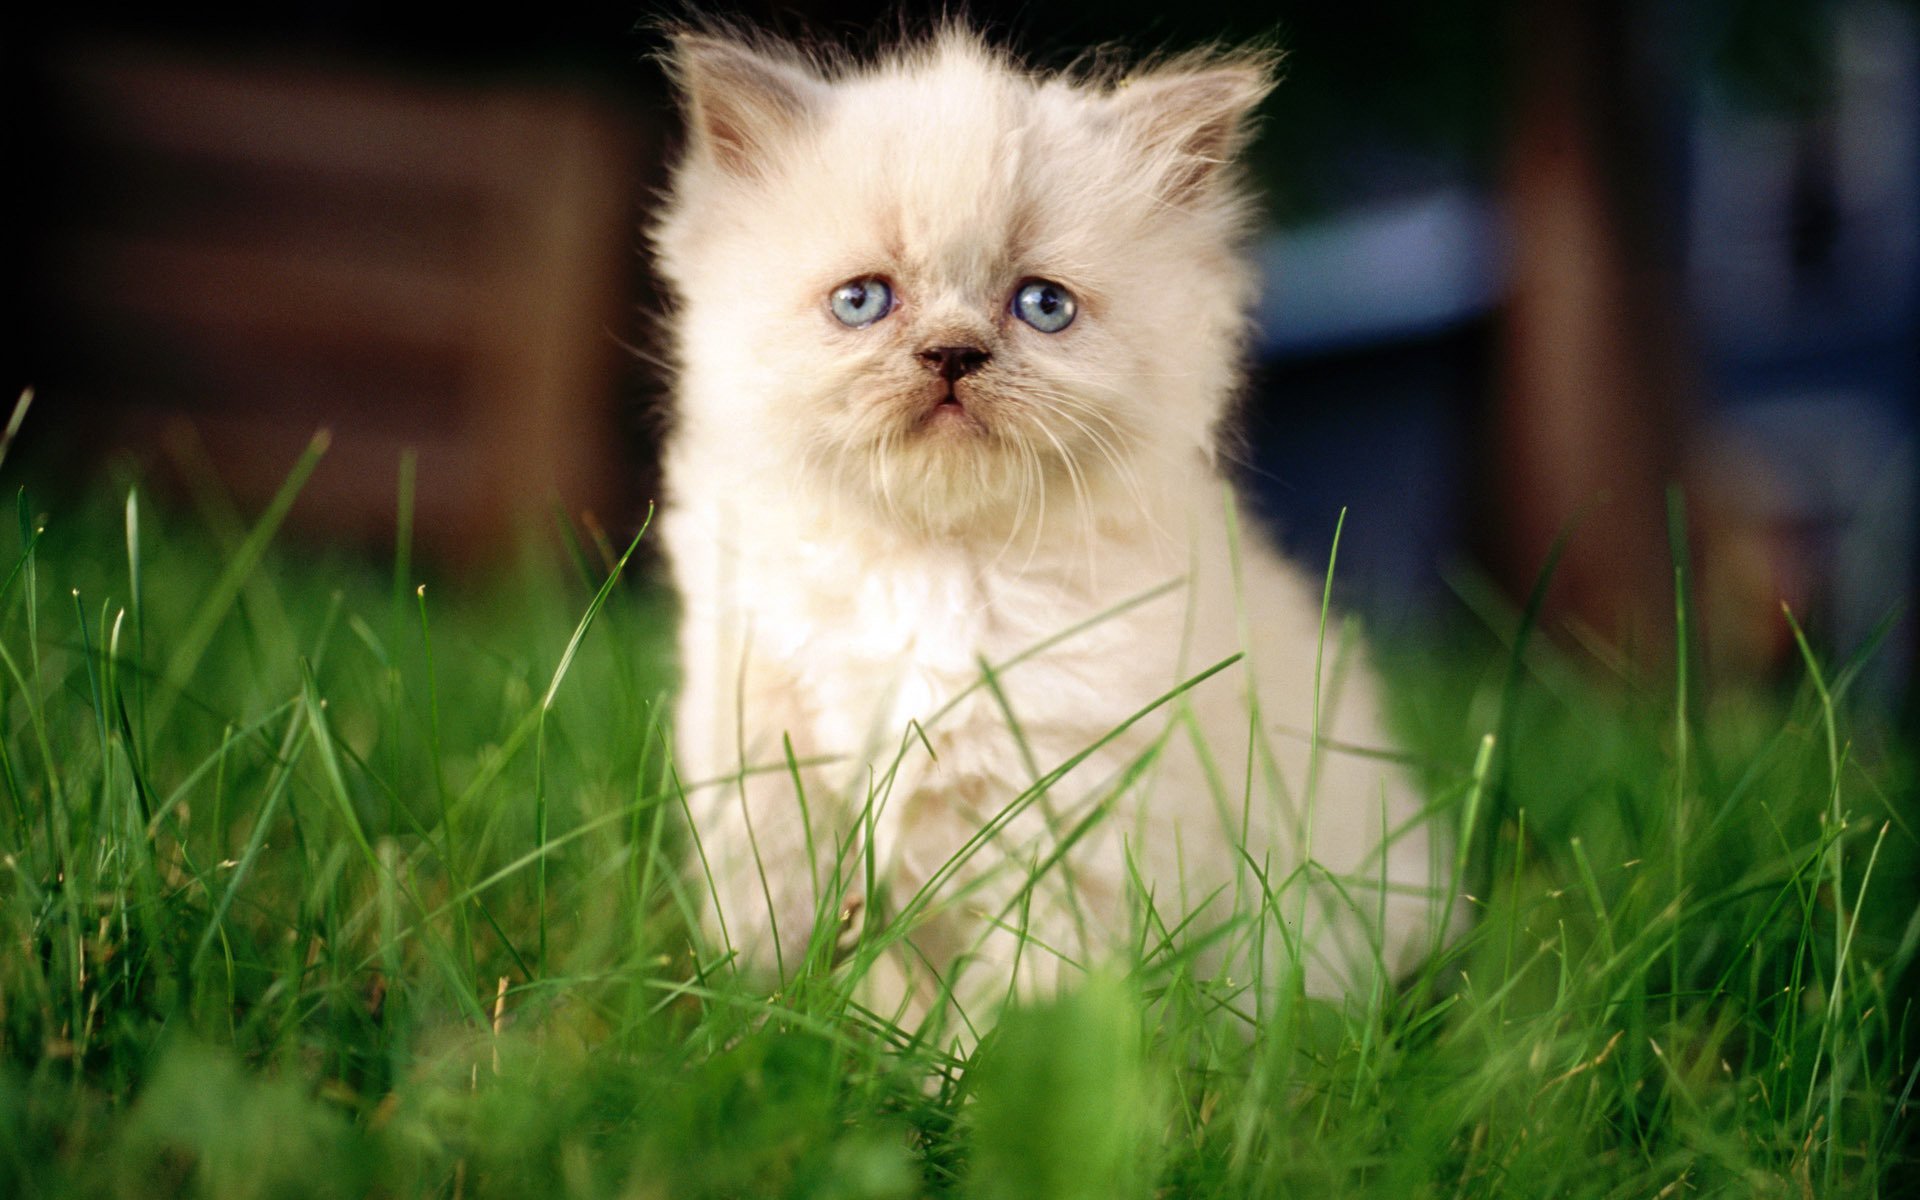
1503	727
279	780
137	609
456	872
404	487
14	422
30	531
1836	829
540	736
213	609
1682	732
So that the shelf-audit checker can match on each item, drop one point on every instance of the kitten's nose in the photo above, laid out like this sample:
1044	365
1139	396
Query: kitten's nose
951	362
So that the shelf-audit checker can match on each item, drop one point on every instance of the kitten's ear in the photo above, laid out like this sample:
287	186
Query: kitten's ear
1191	119
740	103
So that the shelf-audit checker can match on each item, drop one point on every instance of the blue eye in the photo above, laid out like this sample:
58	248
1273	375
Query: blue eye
1044	305
860	302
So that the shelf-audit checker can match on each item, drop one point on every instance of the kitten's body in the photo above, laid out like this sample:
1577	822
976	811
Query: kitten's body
851	551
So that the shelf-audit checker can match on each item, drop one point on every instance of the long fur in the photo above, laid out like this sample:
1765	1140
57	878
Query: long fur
865	587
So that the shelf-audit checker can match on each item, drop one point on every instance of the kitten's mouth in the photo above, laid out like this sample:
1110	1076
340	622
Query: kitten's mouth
948	408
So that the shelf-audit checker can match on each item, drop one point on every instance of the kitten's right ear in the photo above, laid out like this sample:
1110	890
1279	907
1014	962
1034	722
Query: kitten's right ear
740	103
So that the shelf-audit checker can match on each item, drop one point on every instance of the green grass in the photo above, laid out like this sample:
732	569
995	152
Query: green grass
312	883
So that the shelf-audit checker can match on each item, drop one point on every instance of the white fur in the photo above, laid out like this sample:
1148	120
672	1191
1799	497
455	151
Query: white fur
847	564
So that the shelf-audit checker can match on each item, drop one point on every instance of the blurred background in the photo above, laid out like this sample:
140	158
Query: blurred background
1530	269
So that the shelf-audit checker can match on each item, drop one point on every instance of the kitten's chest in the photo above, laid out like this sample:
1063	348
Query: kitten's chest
911	642
891	641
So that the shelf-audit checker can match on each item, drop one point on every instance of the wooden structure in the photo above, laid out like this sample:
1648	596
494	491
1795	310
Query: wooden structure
258	249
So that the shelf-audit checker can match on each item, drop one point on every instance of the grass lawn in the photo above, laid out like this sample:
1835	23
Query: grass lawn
314	883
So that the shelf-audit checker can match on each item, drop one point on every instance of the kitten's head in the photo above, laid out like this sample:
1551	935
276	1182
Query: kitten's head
955	287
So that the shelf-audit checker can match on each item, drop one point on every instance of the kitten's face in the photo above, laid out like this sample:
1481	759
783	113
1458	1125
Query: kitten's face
954	289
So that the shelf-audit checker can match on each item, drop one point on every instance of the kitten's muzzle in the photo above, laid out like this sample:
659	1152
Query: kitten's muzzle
953	362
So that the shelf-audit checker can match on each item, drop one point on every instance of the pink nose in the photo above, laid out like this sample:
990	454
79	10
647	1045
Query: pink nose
951	362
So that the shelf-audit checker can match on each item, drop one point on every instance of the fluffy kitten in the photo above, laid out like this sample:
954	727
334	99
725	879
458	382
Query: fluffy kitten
955	343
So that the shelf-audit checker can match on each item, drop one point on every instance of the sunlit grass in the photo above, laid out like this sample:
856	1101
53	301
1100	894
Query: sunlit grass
317	882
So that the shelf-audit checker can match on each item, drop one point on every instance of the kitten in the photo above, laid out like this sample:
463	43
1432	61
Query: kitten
955	345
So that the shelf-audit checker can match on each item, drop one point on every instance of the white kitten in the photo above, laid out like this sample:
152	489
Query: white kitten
955	342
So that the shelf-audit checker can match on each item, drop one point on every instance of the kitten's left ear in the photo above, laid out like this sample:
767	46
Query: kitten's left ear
741	103
1191	119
